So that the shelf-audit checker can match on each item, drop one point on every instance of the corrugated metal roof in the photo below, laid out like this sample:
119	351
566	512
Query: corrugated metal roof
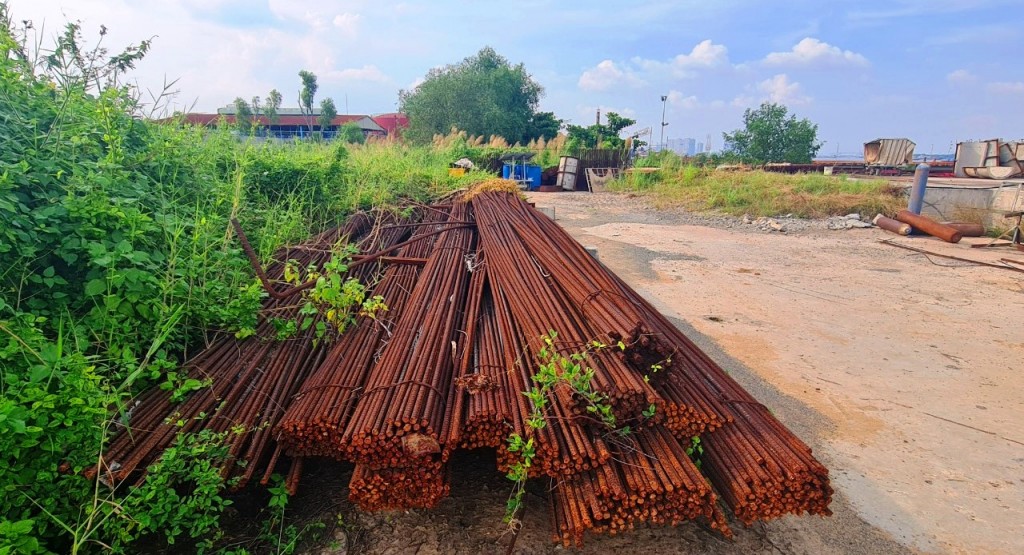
365	122
392	122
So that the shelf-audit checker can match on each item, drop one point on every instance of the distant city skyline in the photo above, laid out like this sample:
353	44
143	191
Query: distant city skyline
936	72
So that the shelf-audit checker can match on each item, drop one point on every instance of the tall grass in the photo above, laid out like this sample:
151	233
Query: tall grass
760	193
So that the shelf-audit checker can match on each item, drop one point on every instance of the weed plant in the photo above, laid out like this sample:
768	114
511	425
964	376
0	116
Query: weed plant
678	183
117	263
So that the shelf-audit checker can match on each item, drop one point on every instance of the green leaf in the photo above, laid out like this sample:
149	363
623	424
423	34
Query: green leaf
95	287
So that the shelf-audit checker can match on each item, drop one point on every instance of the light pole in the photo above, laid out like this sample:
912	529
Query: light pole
664	98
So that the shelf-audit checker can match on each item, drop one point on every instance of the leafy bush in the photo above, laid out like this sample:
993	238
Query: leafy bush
117	260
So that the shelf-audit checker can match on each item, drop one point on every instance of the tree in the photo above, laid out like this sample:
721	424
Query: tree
257	110
327	114
307	94
351	133
768	135
273	105
606	133
482	95
544	125
243	116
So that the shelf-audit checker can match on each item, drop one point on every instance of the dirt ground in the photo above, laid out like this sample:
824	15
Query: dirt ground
903	372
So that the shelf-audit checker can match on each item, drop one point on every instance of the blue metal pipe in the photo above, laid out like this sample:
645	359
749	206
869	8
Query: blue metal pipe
917	191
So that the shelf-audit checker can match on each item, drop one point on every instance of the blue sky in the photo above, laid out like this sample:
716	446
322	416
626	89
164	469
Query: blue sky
937	71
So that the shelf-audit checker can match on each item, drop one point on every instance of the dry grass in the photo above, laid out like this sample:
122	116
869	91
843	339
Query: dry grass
496	184
760	193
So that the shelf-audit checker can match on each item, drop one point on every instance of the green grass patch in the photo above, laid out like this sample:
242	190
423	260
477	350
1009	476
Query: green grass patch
761	193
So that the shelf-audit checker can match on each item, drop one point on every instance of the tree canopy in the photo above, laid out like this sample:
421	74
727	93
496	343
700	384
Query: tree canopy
482	95
768	135
607	133
243	116
272	106
307	94
327	113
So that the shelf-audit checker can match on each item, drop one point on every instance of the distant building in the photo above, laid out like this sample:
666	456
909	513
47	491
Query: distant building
690	146
291	122
392	123
699	148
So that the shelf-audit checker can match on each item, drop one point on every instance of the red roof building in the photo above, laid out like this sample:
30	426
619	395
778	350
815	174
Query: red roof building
392	123
292	123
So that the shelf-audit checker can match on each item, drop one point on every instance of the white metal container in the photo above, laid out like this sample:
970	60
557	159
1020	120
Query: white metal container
568	168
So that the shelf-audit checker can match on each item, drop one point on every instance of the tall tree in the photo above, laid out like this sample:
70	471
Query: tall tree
327	114
243	116
771	134
544	125
272	106
257	111
607	133
307	94
482	95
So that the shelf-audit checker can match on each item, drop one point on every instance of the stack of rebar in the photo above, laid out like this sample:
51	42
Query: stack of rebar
247	383
760	468
318	415
650	479
401	414
474	290
399	488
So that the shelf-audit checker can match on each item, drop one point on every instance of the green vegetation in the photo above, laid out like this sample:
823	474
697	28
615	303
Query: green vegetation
555	368
327	113
482	95
768	135
116	262
351	133
759	193
599	135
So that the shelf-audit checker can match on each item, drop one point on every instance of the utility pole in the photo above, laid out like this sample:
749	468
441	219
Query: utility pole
664	104
598	145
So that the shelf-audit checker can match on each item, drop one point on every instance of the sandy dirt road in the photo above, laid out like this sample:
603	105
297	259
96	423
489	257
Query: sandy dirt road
905	373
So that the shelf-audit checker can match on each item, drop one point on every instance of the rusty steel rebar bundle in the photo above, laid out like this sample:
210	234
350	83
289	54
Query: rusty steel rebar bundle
402	488
752	445
650	479
318	414
587	284
762	470
540	304
400	416
248	381
473	289
485	392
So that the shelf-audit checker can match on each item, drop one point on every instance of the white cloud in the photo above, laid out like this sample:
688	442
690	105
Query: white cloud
743	101
780	90
365	73
348	23
1006	87
815	53
676	98
960	76
606	75
705	54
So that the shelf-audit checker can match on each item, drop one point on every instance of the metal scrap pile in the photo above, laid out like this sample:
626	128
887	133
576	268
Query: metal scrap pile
474	290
